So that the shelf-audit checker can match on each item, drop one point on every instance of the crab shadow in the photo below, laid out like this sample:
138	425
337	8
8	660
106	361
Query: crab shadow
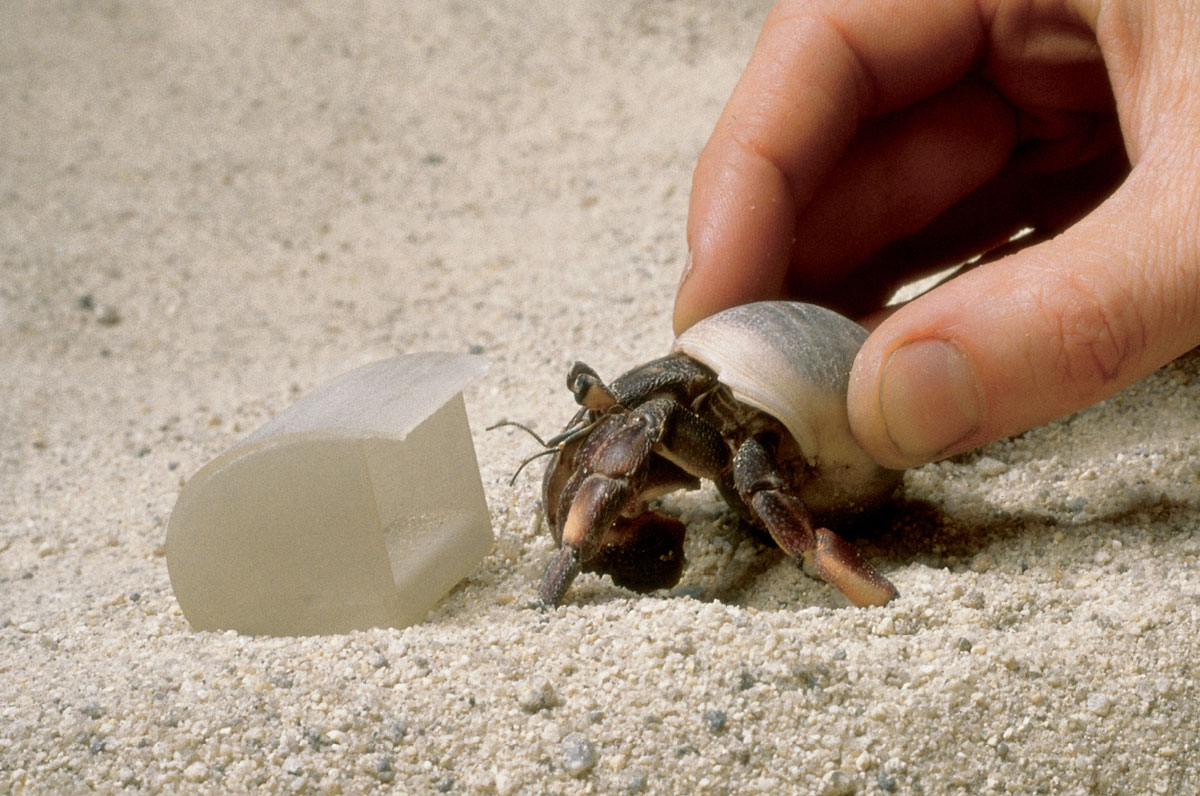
763	576
906	532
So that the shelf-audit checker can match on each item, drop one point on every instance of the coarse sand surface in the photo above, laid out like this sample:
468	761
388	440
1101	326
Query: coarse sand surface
208	209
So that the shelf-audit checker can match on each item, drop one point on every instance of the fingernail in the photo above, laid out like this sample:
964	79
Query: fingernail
930	398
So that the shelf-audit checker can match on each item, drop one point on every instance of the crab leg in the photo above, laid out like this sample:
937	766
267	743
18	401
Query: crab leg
563	569
672	375
679	377
764	490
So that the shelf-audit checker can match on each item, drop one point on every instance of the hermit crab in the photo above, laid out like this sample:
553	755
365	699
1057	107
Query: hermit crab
752	398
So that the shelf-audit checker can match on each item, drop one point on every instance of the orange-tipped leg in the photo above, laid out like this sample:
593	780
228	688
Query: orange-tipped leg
837	563
787	519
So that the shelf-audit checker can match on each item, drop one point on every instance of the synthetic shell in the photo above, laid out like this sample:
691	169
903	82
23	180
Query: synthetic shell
792	361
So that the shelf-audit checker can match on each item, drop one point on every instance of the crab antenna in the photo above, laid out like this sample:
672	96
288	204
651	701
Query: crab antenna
574	428
521	426
521	466
547	447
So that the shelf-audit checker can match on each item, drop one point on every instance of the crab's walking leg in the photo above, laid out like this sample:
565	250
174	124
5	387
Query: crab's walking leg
563	569
673	375
764	490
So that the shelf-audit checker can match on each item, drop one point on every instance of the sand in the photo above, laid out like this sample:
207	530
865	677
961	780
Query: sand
207	209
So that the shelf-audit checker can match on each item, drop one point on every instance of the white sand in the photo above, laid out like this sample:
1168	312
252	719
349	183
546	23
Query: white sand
256	197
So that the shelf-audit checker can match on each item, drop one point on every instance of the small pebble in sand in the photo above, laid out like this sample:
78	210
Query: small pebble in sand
107	315
504	784
635	782
990	467
579	754
1099	704
973	599
536	696
196	772
835	783
715	719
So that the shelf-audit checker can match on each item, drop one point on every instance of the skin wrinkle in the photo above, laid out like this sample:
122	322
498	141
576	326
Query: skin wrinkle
745	139
1162	252
1095	345
1153	56
759	159
1126	34
1179	289
1114	24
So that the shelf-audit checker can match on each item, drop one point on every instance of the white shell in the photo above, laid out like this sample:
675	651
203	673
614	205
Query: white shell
792	361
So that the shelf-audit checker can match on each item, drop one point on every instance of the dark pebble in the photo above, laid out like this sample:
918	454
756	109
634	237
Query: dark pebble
715	719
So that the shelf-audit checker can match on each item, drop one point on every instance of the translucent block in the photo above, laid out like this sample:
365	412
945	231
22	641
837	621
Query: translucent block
359	506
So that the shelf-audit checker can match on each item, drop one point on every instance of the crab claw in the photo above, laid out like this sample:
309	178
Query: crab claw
594	507
642	553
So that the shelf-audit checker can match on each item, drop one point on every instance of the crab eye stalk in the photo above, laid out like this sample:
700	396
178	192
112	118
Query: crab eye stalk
589	391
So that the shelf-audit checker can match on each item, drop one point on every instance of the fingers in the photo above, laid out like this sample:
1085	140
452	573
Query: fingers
899	175
819	69
1061	325
983	223
1044	332
1010	344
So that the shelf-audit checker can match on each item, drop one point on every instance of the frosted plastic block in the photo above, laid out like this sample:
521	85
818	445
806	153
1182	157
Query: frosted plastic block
359	506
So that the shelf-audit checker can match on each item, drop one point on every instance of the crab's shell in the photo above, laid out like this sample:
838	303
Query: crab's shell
792	361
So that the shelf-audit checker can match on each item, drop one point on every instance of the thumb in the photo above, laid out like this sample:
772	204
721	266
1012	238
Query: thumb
1044	332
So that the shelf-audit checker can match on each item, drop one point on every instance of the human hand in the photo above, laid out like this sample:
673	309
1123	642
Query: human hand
870	142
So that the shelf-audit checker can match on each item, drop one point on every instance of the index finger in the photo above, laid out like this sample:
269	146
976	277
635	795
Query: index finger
819	69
